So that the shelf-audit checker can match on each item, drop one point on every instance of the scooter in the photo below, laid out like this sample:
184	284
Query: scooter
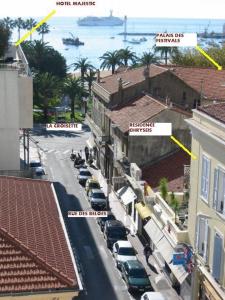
72	156
78	162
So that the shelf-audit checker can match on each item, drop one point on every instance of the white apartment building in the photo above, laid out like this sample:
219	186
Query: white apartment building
16	104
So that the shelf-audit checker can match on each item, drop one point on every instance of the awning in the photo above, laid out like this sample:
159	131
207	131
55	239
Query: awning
128	196
143	210
153	231
167	251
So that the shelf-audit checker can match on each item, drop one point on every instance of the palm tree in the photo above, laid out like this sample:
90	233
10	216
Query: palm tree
74	89
43	29
89	78
29	24
175	204
83	65
46	88
110	60
19	23
9	23
126	55
165	52
148	58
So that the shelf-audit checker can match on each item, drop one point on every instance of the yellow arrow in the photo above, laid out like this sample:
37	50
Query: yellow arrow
35	27
209	58
183	147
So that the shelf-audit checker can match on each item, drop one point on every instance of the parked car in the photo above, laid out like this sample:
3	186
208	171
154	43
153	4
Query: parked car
97	199
114	231
83	176
91	184
122	252
153	296
101	220
135	276
39	171
35	163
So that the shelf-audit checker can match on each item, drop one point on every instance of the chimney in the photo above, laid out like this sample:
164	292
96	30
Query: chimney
120	83
147	79
120	90
98	75
167	100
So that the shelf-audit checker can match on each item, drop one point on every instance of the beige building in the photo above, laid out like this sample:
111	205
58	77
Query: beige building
207	201
16	102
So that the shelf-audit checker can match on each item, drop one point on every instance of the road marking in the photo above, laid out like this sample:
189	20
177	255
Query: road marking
89	252
50	151
67	151
35	27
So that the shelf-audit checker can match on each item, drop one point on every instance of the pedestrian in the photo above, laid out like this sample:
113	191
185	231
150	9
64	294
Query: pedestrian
86	151
147	252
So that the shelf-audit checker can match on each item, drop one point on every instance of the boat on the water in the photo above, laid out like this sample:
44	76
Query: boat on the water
100	21
134	41
73	41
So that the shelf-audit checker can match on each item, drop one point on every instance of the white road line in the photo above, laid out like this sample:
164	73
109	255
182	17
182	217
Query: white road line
67	151
50	151
89	252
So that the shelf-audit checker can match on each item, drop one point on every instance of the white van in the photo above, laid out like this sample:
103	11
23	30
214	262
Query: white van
153	296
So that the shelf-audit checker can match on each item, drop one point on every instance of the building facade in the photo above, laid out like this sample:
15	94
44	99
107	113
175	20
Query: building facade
207	201
16	102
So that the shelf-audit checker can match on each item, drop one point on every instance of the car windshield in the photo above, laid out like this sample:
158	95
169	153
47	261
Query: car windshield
35	164
126	251
85	173
138	273
98	195
117	232
94	185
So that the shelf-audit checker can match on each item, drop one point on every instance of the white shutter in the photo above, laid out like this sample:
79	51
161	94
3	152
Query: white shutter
203	177
201	236
207	178
215	188
217	257
206	228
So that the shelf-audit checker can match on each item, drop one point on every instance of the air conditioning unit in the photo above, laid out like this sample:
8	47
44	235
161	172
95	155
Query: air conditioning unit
135	172
157	209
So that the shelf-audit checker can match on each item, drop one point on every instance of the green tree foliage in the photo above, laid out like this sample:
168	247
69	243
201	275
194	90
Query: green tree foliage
195	58
83	65
110	60
4	38
42	30
19	23
147	58
163	187
47	89
73	88
42	58
126	55
89	77
29	24
165	52
174	203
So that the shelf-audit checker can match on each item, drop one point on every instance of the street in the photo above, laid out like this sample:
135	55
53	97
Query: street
100	277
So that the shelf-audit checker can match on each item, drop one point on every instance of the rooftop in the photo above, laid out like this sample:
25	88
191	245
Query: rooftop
216	111
34	250
208	81
129	77
170	167
139	110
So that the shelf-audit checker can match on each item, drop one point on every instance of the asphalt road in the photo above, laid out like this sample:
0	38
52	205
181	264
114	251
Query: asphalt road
100	277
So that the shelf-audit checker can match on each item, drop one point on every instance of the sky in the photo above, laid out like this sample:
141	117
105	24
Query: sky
209	9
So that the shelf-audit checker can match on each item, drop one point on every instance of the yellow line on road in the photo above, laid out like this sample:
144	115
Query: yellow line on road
209	58
183	147
35	27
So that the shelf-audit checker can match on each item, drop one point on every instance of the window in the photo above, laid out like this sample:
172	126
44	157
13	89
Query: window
217	257
219	191
202	237
205	178
184	97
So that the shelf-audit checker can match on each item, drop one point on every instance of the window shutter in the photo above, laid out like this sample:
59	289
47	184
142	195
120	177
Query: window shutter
215	188
217	257
207	178
206	228
201	236
203	177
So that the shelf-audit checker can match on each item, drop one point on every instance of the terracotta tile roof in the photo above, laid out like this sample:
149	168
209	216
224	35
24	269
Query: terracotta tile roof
139	110
34	254
210	81
129	77
171	167
217	111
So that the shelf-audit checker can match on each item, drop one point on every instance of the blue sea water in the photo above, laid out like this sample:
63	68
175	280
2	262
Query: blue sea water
98	39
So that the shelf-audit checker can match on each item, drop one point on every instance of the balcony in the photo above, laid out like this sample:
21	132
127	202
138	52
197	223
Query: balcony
15	59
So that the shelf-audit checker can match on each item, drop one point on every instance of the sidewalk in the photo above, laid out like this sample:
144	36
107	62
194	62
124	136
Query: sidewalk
157	277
